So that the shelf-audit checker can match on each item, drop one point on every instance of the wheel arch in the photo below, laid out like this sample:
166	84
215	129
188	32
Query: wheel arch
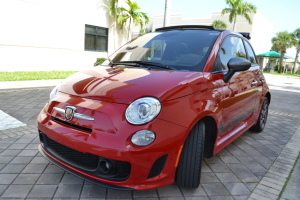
210	136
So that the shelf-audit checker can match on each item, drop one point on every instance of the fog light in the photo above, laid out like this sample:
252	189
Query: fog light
106	166
143	138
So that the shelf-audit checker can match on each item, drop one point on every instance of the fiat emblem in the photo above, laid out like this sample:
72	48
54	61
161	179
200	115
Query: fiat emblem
69	112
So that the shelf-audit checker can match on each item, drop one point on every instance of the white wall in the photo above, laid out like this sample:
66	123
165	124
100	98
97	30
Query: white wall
262	33
49	34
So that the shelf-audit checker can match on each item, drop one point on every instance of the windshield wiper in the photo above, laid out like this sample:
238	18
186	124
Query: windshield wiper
128	63
155	64
146	63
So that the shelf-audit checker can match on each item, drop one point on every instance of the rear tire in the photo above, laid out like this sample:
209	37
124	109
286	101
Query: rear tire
262	118
189	167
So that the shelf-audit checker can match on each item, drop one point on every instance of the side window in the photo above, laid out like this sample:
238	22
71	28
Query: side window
231	47
251	55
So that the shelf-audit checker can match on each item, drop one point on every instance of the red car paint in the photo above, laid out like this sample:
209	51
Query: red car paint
186	97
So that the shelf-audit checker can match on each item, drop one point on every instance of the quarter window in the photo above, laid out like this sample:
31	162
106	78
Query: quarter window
231	47
96	38
251	55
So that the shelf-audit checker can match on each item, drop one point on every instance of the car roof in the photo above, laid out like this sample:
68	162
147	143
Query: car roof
200	27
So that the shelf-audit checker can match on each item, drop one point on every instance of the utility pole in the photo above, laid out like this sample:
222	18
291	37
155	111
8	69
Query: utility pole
167	13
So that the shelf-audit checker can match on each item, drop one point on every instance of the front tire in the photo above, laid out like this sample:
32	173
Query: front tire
263	116
189	167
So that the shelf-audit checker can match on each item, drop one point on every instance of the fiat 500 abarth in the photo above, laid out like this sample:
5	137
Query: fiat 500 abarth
155	108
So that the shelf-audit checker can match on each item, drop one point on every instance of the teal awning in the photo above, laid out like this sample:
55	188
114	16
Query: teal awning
271	54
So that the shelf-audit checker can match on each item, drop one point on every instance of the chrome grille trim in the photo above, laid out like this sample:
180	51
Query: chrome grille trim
76	115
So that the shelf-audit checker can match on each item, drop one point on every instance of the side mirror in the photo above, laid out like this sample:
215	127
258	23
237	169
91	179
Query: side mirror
236	64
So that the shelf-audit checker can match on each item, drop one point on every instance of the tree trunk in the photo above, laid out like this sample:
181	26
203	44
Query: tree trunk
234	24
129	28
281	68
296	58
116	27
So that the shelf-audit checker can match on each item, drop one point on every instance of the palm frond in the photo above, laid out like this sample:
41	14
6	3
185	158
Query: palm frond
225	11
113	5
249	7
122	19
232	17
297	34
248	18
218	24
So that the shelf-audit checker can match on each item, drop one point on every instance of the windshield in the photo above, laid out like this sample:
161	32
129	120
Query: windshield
185	50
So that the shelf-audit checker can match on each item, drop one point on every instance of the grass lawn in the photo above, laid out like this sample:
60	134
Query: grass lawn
34	75
283	74
47	75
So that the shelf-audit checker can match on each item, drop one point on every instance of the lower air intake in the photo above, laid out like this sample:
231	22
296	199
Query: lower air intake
158	166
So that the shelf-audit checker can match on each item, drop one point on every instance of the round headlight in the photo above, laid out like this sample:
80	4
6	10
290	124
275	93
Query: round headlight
53	93
143	110
143	138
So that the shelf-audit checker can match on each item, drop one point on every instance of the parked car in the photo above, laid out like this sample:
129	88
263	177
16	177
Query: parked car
155	108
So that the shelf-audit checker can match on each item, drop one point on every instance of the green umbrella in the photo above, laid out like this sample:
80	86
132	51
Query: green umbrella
272	54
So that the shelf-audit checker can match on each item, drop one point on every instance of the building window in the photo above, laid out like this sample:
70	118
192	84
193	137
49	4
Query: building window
96	38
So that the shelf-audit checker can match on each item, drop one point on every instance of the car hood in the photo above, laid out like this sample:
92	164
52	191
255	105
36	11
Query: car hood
124	85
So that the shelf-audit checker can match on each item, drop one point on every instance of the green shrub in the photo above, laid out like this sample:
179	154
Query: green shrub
99	61
276	68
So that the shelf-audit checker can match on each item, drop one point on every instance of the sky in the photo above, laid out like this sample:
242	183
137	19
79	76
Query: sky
283	14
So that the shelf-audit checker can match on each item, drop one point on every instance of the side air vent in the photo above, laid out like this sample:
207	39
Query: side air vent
158	166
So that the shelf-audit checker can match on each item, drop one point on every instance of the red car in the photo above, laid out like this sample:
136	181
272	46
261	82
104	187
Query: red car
155	108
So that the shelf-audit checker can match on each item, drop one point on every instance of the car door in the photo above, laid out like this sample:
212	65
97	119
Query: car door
237	99
254	74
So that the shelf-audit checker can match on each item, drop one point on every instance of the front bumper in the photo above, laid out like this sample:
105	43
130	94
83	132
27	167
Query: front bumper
150	167
76	172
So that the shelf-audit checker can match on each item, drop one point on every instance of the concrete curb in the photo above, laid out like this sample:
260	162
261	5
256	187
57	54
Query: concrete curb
271	185
4	85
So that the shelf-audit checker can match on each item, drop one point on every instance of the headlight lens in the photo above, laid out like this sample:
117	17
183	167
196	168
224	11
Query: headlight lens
143	110
143	138
53	93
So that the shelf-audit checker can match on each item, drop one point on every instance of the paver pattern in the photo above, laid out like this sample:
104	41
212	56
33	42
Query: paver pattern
255	166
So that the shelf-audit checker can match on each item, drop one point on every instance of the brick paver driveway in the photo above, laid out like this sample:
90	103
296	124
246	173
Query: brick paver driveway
253	166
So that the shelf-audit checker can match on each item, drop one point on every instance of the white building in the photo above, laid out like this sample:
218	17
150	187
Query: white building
42	35
260	30
39	35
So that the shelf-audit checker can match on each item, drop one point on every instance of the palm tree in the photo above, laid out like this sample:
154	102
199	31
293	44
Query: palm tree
113	7
219	24
296	34
144	31
275	47
238	7
131	14
282	41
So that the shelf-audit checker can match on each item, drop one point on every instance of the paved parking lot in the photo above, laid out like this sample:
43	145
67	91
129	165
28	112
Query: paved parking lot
255	166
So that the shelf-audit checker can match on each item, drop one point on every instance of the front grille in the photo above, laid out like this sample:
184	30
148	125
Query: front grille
85	160
123	168
158	166
81	128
